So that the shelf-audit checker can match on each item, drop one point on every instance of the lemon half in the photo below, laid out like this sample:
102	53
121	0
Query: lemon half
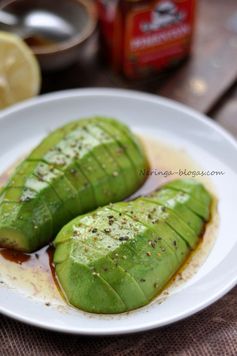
20	76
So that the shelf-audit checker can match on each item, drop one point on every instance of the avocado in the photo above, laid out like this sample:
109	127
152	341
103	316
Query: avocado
134	247
121	166
172	199
30	177
76	169
24	226
133	149
200	200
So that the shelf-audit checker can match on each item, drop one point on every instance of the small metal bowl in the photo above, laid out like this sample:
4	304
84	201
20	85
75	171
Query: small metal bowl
82	17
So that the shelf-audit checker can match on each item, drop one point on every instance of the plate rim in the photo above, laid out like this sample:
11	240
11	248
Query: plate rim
123	331
101	91
122	93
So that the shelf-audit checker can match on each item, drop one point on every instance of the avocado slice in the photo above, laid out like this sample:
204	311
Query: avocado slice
79	146
109	271
121	163
114	162
134	144
72	171
200	198
51	140
57	180
131	256
179	203
123	229
29	179
135	247
153	213
25	225
89	251
93	290
132	148
173	240
99	241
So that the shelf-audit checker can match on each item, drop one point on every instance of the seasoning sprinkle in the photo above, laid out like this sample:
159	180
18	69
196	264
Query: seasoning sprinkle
123	238
120	151
107	230
95	274
152	243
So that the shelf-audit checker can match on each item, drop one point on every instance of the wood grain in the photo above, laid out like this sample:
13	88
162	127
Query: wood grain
213	67
226	113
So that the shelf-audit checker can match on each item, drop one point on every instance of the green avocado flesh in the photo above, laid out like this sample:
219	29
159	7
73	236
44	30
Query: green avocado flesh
119	257
77	168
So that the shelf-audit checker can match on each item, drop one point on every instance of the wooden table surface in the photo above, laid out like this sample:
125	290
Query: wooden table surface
206	81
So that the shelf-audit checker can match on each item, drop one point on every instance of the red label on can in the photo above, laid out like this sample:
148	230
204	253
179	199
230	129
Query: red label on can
157	36
150	36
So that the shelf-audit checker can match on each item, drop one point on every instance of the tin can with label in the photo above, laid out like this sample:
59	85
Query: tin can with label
143	37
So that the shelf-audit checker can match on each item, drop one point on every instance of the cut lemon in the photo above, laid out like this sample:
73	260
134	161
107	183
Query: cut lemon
20	76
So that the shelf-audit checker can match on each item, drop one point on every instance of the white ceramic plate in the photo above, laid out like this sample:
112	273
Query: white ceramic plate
22	126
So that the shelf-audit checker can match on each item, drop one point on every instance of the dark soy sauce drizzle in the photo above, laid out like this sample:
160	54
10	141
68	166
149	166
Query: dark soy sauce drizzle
44	256
14	256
